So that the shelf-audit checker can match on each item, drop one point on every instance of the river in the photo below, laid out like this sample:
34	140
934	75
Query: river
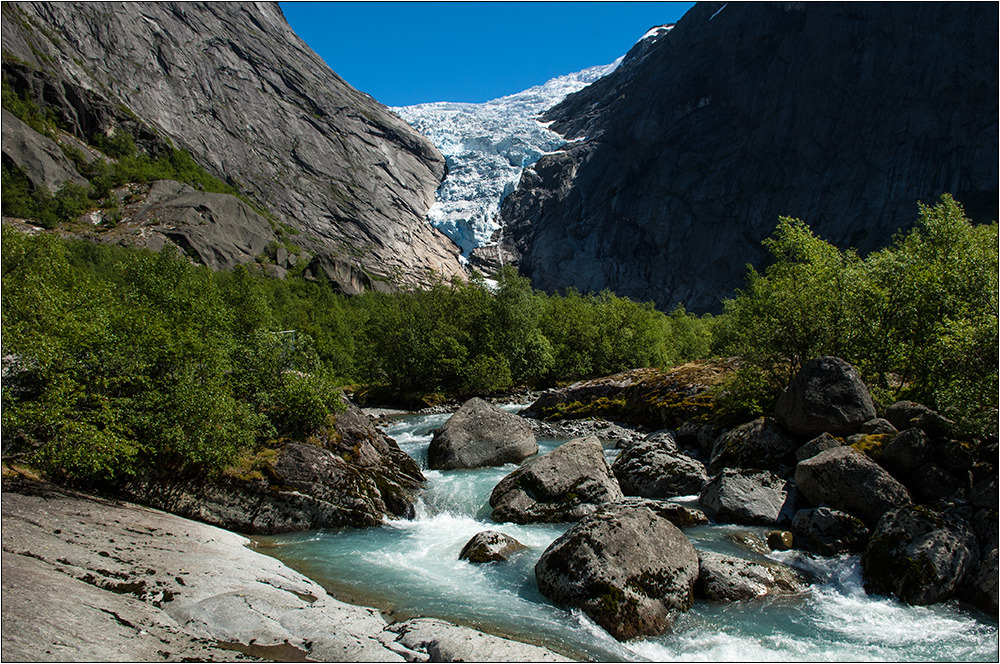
411	568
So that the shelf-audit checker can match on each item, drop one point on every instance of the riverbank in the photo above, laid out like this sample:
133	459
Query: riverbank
92	579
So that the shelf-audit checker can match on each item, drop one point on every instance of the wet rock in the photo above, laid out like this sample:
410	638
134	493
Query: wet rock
829	532
751	497
847	480
655	468
625	567
727	578
919	555
481	434
826	395
566	484
490	546
760	444
819	444
779	540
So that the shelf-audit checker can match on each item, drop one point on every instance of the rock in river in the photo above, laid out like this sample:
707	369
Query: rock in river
625	567
481	434
490	546
566	484
655	468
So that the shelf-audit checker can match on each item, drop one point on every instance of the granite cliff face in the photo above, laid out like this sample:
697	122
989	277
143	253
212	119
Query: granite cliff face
233	85
682	160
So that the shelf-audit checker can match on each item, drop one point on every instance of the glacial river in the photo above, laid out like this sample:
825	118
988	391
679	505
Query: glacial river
411	568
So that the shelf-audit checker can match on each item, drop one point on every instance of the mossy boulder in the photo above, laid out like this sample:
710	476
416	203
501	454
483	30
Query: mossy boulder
566	484
626	567
920	555
829	532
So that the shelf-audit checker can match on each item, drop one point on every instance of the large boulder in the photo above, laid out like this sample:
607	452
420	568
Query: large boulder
829	532
750	497
906	452
820	443
920	555
625	567
481	434
847	480
826	395
728	578
655	468
680	516
908	414
981	587
759	444
566	484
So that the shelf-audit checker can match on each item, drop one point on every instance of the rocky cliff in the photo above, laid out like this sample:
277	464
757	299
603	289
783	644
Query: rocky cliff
235	87
681	161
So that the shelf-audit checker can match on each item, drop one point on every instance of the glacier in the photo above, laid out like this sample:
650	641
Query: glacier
486	146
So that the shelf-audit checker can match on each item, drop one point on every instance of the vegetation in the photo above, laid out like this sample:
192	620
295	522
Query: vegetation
918	318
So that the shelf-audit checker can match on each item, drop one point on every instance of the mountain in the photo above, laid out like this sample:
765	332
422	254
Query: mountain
336	177
681	160
486	146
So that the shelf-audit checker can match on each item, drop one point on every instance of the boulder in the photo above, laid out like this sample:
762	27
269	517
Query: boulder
847	480
727	578
984	493
433	640
490	546
826	395
481	434
680	516
759	444
751	497
625	567
919	555
877	426
981	587
931	482
566	484
700	436
906	452
908	414
829	532
818	444
655	468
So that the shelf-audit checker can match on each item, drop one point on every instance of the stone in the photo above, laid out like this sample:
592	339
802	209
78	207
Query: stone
906	452
654	468
877	426
827	395
760	444
829	532
931	482
846	480
908	414
490	546
700	436
680	516
565	484
749	497
727	578
984	493
481	434
919	555
38	156
780	540
625	567
819	444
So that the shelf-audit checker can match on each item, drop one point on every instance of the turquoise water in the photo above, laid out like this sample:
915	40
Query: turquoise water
412	568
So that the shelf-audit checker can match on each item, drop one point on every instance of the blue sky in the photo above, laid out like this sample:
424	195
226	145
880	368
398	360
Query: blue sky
411	52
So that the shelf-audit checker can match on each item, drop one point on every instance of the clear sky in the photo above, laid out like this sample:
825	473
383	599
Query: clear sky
405	53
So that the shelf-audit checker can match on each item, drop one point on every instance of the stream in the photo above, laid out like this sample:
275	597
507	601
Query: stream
411	568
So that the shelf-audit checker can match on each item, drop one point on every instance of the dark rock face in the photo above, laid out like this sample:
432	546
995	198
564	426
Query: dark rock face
759	444
829	532
847	480
652	468
751	497
727	578
481	434
566	484
919	555
625	567
826	395
490	546
234	86
695	146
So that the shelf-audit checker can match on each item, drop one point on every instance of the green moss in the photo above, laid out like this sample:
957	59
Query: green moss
872	446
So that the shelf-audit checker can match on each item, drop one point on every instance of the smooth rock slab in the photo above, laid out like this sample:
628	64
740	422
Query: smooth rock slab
444	642
566	484
481	434
625	567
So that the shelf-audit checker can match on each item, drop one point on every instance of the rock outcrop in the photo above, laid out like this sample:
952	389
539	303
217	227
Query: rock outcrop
687	154
236	88
481	434
566	484
625	567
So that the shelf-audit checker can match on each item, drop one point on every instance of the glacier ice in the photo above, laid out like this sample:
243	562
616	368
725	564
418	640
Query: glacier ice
486	146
